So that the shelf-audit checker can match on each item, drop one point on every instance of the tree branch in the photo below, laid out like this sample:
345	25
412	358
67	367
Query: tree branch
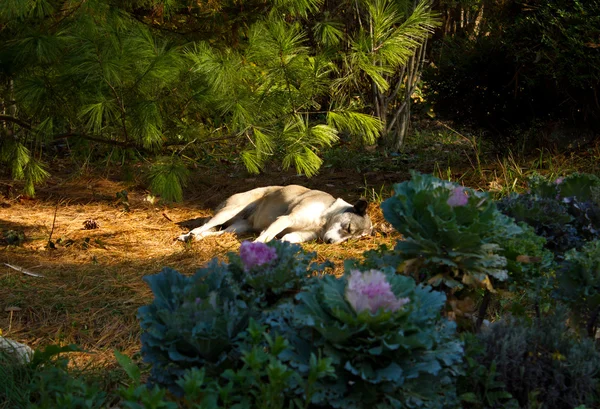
21	123
25	125
133	145
96	139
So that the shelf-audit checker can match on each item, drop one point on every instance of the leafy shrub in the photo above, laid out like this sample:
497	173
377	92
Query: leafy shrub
193	322
54	387
385	338
565	212
285	272
518	61
382	336
542	363
527	259
263	380
579	285
583	186
46	382
196	321
478	385
548	217
450	232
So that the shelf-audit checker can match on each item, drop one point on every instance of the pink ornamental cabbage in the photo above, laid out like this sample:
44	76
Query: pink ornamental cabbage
559	181
458	197
256	254
371	291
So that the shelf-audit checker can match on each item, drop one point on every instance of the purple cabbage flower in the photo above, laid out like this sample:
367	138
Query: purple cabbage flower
371	291
256	254
458	197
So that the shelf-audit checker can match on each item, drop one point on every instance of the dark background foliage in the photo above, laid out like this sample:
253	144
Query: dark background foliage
502	65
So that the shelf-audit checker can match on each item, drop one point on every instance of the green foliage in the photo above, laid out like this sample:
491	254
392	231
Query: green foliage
192	322
278	73
578	284
391	41
266	285
159	77
507	64
168	176
195	321
478	385
263	380
55	387
137	395
24	166
527	259
565	212
266	380
389	359
541	362
47	383
451	233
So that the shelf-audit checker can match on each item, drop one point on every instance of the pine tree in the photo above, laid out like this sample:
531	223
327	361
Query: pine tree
281	78
384	60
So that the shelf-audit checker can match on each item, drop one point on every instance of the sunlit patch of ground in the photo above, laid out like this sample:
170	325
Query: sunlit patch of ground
92	279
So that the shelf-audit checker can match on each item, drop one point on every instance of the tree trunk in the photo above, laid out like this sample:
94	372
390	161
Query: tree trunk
397	123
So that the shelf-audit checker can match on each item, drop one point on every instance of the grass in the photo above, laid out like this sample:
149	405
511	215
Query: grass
12	378
92	279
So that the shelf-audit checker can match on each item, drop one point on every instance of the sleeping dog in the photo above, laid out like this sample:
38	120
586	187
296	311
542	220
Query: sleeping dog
292	213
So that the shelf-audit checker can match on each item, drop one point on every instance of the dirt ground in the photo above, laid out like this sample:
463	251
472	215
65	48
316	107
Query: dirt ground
92	277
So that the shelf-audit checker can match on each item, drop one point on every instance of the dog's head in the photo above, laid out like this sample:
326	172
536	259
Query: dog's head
352	223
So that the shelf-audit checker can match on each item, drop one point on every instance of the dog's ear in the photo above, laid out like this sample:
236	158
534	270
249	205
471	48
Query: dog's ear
360	207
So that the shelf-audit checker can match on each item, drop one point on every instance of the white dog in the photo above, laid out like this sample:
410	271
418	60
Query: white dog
293	213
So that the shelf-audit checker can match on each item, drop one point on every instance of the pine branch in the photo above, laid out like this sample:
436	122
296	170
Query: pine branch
99	140
21	123
162	28
66	15
121	107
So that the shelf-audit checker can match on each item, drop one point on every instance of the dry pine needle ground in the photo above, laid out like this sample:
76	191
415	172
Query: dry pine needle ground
92	279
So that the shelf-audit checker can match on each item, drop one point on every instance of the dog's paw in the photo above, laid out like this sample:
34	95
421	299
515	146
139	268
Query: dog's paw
185	237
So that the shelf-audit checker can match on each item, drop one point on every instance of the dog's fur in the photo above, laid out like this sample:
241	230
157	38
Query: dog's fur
293	213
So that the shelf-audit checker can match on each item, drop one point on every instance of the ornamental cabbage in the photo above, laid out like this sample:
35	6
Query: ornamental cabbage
452	234
192	322
400	354
371	291
256	255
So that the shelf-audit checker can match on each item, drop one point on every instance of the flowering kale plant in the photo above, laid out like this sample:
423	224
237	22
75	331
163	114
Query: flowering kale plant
385	337
256	255
451	233
579	285
192	322
371	291
583	186
195	322
566	211
268	272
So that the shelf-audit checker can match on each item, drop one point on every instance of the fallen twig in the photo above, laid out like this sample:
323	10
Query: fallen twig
22	270
50	244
